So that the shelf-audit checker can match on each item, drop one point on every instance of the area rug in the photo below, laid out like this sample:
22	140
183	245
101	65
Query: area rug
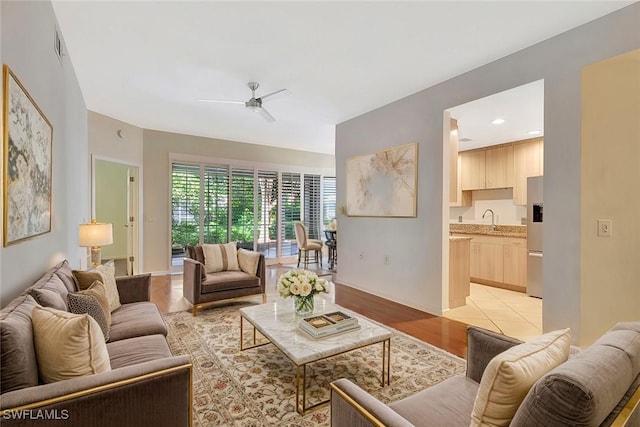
256	387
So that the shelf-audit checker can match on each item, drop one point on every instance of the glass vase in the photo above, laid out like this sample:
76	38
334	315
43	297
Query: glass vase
303	305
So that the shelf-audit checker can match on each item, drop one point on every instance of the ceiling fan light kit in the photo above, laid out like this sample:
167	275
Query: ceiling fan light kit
254	104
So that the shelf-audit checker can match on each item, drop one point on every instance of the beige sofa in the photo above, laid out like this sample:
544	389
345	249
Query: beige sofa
599	386
146	385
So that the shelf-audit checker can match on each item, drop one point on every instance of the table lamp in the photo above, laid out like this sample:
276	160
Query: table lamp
95	235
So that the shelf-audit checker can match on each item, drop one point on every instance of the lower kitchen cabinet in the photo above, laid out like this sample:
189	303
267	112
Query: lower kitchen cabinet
515	263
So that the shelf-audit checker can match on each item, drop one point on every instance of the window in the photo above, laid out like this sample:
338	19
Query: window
312	212
242	207
289	212
215	204
267	213
185	208
328	199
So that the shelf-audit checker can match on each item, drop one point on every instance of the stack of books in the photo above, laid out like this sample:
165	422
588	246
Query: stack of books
324	325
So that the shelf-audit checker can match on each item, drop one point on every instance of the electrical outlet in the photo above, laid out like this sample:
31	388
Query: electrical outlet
361	255
604	228
386	260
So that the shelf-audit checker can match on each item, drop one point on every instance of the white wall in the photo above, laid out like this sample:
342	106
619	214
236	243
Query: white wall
27	31
500	201
416	246
105	142
157	172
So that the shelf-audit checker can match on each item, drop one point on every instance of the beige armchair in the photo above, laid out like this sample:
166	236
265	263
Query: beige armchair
306	245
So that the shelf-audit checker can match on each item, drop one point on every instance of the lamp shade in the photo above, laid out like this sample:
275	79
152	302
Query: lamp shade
95	234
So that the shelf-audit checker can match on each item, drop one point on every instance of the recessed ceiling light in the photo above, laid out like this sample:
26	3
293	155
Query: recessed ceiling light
534	132
498	121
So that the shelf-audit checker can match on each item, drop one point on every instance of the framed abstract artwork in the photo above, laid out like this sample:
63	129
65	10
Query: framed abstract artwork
383	183
27	144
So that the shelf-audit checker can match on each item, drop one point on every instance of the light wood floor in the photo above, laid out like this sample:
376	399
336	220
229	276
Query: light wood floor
448	334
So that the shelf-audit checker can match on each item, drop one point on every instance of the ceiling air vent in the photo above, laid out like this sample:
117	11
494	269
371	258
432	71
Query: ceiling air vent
465	139
57	44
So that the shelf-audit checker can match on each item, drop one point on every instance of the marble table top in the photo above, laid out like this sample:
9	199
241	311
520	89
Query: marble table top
278	322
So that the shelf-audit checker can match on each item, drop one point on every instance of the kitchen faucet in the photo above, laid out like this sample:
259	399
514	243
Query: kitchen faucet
493	224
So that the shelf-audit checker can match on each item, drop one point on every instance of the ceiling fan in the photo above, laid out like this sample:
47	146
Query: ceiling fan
254	104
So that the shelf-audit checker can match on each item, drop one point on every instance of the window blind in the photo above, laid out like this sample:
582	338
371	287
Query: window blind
185	206
267	213
215	225
312	213
328	199
242	207
289	211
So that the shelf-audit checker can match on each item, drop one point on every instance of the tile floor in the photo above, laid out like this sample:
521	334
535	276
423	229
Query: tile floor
511	313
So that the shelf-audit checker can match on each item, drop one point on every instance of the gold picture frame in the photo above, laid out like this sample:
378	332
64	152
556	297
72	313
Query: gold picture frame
27	169
384	183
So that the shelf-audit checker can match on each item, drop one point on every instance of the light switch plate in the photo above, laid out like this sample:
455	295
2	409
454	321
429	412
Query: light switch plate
604	228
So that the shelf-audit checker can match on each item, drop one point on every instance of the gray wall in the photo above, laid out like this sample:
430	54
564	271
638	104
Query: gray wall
27	30
157	169
415	246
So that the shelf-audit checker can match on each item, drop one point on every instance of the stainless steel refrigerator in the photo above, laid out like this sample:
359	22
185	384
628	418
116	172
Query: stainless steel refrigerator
534	236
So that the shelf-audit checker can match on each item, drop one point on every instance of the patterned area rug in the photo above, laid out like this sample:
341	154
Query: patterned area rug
256	387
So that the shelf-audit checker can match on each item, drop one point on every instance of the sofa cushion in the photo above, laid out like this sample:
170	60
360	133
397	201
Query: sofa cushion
509	376
221	257
49	298
137	350
135	320
448	403
17	353
248	261
54	284
64	272
107	271
228	280
586	388
68	345
92	301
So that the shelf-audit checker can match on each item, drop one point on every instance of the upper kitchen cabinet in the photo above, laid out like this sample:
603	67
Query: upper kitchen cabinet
487	169
472	164
499	167
528	161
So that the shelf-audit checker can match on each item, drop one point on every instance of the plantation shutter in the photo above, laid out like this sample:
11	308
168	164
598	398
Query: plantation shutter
267	213
328	199
242	207
216	204
312	213
289	211
185	206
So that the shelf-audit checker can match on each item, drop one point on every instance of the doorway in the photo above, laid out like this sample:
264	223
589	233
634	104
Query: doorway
115	199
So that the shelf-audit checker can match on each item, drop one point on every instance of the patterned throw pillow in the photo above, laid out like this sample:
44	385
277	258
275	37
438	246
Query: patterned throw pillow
222	257
248	261
67	345
92	301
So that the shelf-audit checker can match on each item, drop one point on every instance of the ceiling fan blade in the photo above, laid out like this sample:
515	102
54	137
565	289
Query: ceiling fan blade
273	95
219	101
264	113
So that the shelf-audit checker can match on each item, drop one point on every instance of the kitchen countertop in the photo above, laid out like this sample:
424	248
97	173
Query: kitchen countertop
500	231
459	238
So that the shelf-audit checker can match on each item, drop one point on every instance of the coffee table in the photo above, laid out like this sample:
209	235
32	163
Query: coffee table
278	322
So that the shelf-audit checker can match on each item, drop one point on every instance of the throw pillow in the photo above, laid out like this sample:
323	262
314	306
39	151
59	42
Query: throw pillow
67	345
94	302
107	271
509	376
248	261
84	279
220	257
49	298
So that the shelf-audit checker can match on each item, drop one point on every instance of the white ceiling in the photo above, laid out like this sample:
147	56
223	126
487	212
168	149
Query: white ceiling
149	62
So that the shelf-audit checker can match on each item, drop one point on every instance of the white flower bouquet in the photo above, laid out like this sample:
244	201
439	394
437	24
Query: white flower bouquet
302	285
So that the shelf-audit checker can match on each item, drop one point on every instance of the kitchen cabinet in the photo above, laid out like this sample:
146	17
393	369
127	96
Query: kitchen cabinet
499	167
515	262
472	164
498	261
457	197
528	159
459	279
487	169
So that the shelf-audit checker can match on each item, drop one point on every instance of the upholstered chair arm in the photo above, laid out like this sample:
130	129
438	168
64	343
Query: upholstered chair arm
482	346
262	272
133	288
353	407
156	393
192	280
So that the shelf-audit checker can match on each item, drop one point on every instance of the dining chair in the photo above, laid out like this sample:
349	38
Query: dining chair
306	245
